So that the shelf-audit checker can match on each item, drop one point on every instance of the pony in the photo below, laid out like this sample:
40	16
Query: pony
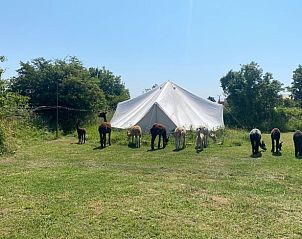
180	138
275	136
104	128
255	138
297	137
205	131
135	133
160	130
81	133
200	140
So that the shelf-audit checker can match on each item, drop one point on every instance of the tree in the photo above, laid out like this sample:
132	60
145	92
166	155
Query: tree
2	83
79	94
112	86
296	88
2	59
251	95
11	104
148	89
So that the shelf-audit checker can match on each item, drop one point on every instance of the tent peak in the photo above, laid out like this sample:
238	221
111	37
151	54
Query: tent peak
167	84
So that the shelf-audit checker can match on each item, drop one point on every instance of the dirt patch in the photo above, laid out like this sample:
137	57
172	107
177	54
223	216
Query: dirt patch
220	200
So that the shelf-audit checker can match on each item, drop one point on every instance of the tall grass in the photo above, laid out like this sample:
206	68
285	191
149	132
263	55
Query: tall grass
18	130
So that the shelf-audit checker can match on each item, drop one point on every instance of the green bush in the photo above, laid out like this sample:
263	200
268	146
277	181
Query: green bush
2	138
284	118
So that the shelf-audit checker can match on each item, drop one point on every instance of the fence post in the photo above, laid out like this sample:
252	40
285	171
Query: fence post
57	128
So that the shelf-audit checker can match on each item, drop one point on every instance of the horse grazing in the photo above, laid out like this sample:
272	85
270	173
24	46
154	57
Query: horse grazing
180	138
200	140
255	137
81	133
135	133
275	136
160	130
297	137
206	134
104	128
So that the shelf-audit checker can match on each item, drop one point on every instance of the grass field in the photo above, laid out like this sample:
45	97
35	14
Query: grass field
59	189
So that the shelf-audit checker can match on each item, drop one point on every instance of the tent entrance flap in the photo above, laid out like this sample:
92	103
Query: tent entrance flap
156	115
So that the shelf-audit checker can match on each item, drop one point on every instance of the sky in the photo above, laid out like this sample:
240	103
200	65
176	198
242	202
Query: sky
192	43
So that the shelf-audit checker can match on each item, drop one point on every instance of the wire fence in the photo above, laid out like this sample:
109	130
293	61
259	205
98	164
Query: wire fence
45	107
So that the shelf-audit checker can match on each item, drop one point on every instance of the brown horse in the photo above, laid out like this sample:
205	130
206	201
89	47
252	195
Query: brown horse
297	137
81	133
160	130
104	128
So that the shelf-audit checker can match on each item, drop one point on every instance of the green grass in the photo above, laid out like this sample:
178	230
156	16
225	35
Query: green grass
59	189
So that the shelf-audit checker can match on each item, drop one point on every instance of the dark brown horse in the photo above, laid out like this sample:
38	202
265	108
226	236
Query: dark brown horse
275	136
104	128
160	130
297	137
81	133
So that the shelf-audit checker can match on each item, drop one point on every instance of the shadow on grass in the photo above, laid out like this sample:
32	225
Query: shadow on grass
258	155
150	150
177	150
277	154
99	147
132	146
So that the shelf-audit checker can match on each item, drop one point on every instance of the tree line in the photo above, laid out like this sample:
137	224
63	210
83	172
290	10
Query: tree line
79	91
254	99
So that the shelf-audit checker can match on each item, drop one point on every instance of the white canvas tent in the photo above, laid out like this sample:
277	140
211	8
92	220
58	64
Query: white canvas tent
170	105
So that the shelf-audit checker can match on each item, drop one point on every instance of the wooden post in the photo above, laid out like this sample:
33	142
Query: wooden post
57	128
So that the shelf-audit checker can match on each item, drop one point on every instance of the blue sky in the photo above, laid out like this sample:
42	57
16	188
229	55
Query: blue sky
192	43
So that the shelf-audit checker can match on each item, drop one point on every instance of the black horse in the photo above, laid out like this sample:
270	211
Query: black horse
255	137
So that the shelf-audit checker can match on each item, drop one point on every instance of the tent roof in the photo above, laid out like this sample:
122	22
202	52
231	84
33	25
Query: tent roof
181	108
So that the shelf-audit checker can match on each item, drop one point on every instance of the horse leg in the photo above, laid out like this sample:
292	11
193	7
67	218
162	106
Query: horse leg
109	137
257	147
152	141
273	145
277	146
300	148
296	149
104	139
253	147
164	141
159	139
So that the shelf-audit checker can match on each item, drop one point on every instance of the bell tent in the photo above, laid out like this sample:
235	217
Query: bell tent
171	106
